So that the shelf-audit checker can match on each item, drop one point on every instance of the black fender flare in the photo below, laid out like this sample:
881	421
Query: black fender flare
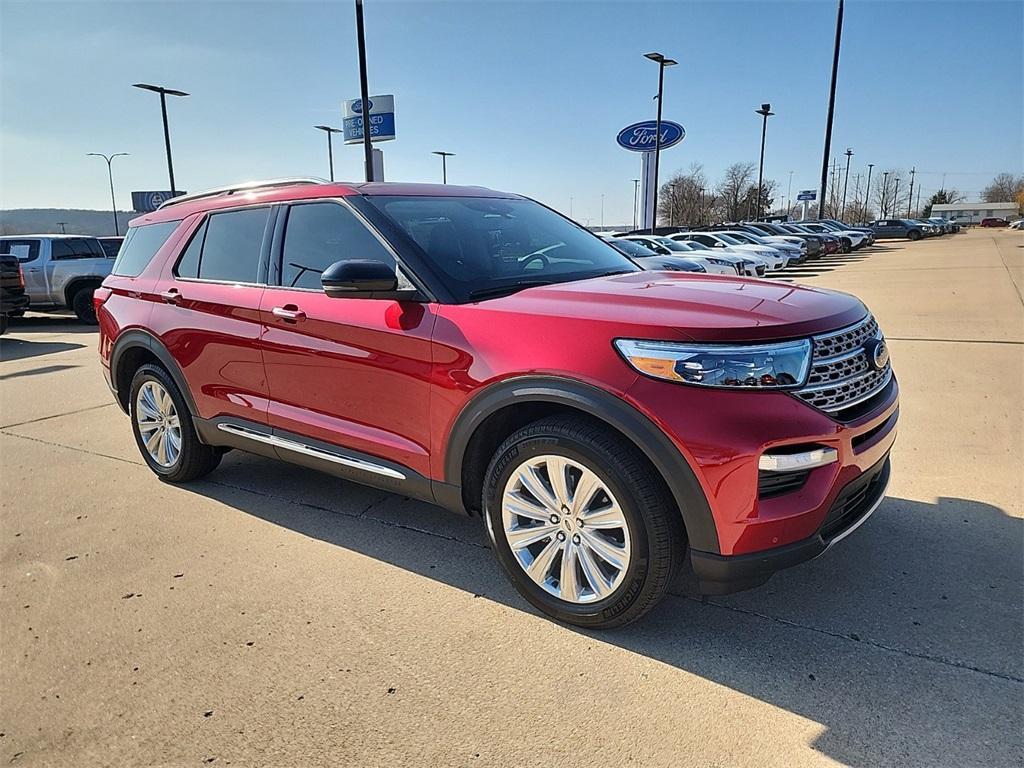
137	338
614	411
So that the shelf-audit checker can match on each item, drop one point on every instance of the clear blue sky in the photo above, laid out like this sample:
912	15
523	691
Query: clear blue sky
529	95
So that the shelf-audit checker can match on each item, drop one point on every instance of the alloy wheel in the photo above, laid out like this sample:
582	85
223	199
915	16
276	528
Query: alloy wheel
565	528
158	423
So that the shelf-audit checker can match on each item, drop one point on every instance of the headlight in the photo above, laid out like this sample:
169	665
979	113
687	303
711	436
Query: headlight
718	262
754	366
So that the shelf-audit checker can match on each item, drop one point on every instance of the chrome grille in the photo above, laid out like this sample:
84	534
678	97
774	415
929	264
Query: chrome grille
841	375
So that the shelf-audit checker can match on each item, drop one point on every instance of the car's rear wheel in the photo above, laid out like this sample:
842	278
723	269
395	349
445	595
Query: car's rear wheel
82	305
581	523
163	428
914	234
3	324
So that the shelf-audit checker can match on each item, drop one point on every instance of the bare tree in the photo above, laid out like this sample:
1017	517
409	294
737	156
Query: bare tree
884	191
1004	188
682	199
734	191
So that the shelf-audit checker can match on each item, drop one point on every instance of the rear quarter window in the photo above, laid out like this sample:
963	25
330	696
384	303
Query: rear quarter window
140	246
24	250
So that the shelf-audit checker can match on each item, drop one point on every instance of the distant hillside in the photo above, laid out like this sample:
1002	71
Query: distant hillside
77	221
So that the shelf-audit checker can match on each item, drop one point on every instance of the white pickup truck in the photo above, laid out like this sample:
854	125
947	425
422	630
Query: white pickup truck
60	270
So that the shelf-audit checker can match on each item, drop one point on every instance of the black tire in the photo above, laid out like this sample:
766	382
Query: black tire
82	305
655	526
845	245
914	234
195	459
3	324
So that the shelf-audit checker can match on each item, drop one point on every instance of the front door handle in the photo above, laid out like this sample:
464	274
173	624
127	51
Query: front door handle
171	296
289	312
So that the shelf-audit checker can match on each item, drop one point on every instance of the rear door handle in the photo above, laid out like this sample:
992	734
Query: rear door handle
289	312
171	296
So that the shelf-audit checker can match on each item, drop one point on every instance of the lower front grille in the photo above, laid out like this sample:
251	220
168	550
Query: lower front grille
771	484
856	499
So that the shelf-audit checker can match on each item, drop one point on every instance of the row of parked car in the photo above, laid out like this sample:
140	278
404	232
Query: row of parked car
913	229
49	272
749	248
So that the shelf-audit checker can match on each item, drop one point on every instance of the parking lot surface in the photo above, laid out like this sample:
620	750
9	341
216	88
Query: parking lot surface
269	615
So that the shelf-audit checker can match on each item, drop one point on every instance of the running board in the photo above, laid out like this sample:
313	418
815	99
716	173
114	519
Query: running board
308	450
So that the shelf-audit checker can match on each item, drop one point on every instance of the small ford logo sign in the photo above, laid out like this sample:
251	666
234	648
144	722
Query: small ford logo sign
357	107
878	353
641	137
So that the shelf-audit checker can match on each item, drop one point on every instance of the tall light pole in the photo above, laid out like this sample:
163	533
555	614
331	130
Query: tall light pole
896	197
846	181
636	197
444	163
662	63
831	109
910	200
110	176
701	217
364	91
867	192
330	147
765	112
789	194
164	93
885	193
602	212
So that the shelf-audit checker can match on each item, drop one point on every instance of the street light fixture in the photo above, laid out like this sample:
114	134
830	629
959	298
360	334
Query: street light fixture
110	176
896	198
885	194
662	63
330	146
444	163
867	192
846	181
765	111
164	93
636	197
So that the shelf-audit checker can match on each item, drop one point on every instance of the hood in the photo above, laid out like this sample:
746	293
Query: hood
698	307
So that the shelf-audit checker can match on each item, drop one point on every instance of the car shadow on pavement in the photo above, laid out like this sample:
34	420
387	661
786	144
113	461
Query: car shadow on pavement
903	642
22	349
36	371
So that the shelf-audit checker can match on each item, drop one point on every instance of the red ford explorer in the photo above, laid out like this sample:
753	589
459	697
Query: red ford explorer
477	350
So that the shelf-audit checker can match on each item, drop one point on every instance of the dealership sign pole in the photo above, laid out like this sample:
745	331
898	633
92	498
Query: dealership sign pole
643	137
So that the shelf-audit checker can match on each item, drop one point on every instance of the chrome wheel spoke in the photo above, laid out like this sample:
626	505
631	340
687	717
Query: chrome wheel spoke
607	517
557	468
158	423
524	537
530	479
586	489
540	568
568	582
521	506
598	584
613	555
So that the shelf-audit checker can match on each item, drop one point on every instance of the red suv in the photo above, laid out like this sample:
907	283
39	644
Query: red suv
478	350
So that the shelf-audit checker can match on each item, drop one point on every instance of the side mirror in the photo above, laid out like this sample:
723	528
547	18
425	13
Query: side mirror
356	278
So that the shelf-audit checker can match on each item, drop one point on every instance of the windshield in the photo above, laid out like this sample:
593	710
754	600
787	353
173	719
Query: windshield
632	248
743	237
672	245
728	239
480	245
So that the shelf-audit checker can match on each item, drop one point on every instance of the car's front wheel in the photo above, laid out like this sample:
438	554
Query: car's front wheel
914	234
581	523
164	431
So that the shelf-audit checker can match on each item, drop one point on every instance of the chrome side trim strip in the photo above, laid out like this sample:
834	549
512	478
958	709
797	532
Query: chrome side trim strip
297	447
797	462
861	521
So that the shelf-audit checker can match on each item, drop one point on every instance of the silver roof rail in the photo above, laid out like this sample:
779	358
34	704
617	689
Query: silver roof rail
246	186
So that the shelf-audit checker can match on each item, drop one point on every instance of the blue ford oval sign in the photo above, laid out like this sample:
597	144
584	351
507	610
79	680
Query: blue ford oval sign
357	106
640	137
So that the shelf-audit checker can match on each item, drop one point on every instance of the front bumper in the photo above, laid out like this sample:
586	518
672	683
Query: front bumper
854	504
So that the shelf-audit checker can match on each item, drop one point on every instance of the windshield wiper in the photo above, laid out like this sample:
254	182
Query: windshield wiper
493	291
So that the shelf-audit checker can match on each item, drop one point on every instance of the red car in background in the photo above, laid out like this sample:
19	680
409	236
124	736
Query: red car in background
994	221
477	350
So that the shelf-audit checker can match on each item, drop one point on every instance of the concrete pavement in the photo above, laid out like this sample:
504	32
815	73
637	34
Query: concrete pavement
272	616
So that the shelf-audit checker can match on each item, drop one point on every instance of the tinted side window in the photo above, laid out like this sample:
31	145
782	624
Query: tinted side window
319	234
76	248
24	250
188	265
231	248
140	246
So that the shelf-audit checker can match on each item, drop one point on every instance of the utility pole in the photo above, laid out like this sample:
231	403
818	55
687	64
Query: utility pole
867	192
885	194
896	197
662	63
831	109
364	91
636	197
789	194
910	199
765	111
846	182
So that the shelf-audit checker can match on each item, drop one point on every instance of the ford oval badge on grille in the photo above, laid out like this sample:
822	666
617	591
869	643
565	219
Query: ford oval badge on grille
878	353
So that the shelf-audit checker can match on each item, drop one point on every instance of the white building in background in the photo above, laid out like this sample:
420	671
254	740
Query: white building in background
973	213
